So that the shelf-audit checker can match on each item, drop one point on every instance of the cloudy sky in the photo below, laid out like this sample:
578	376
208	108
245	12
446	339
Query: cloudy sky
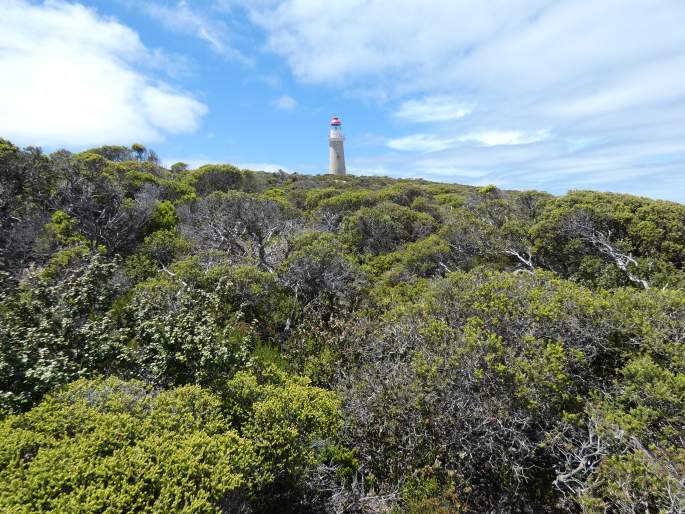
536	94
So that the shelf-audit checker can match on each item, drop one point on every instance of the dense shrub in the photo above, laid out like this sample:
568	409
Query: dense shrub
385	227
54	329
241	341
501	374
123	447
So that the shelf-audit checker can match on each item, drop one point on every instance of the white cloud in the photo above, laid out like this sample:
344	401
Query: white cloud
424	143
284	103
433	109
69	76
504	137
348	39
191	20
506	47
650	165
427	143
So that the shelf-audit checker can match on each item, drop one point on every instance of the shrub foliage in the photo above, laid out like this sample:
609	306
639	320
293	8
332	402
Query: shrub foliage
224	340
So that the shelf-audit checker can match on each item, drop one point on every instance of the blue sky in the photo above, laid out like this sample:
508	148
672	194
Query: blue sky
524	94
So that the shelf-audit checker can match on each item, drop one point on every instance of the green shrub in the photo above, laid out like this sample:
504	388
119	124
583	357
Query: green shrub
116	446
120	447
385	227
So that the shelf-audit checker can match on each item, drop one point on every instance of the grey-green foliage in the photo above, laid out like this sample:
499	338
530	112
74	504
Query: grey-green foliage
516	390
251	229
319	268
178	335
54	330
385	227
26	178
72	321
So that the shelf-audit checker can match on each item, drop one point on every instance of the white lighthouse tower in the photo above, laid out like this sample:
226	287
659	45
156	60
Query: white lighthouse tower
335	147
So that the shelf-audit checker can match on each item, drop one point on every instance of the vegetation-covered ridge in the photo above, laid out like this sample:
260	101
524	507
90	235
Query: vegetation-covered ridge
224	340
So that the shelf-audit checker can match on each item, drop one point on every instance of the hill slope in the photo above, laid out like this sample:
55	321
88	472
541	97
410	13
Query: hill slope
332	343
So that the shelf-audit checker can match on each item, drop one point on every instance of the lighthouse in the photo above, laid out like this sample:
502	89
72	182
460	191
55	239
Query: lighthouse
335	147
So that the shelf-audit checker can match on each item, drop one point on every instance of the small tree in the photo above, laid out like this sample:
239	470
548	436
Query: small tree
249	227
179	167
139	151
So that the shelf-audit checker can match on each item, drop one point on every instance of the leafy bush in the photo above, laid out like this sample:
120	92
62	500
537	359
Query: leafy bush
54	330
123	447
178	336
385	227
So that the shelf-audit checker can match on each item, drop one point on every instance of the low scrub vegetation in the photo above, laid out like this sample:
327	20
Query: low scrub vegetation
225	340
